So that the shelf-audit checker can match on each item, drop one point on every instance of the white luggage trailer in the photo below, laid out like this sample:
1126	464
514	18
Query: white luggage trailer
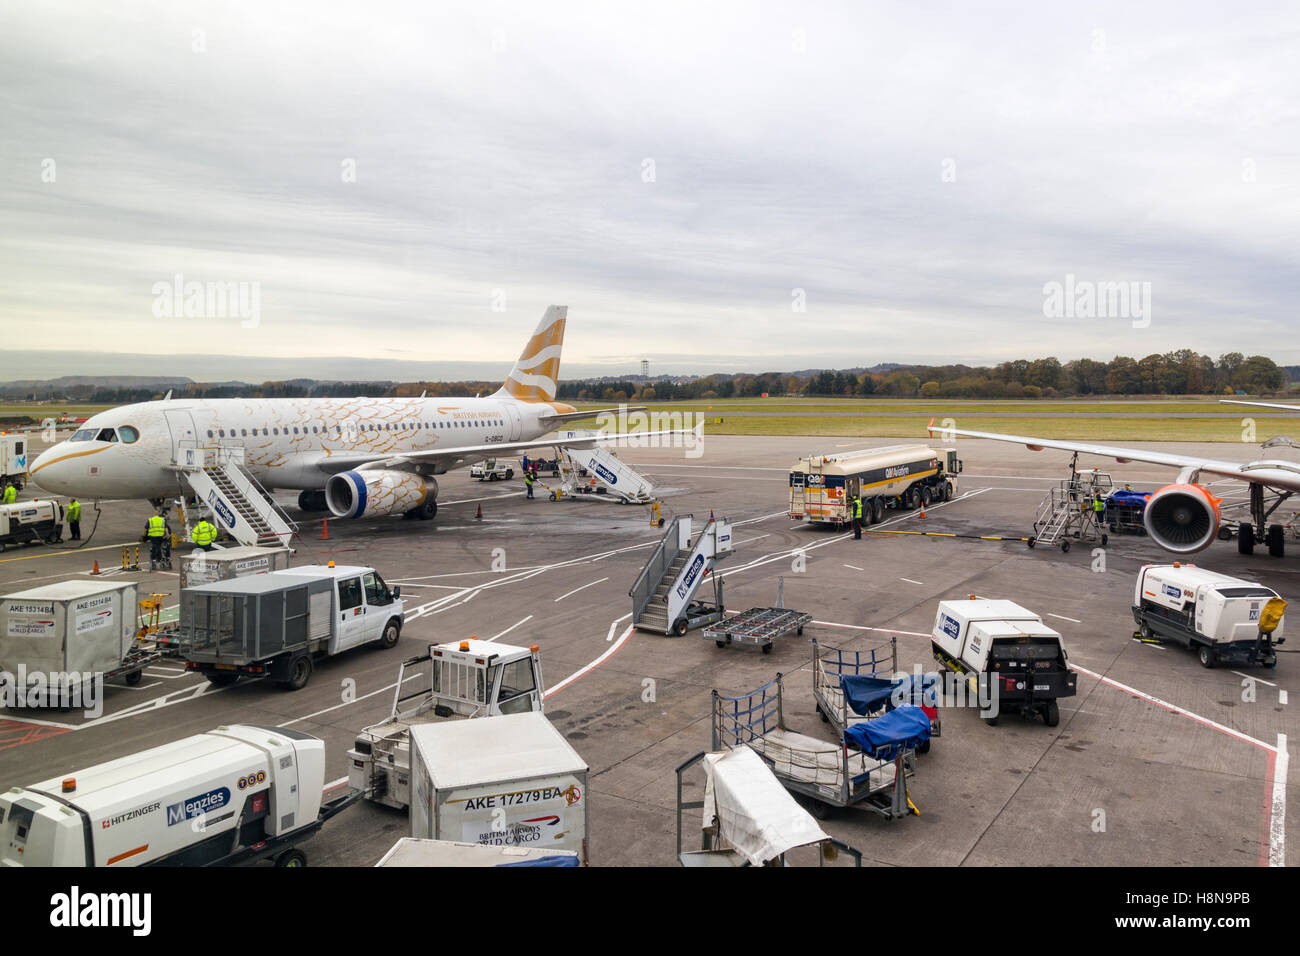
1223	619
460	679
409	851
749	819
831	774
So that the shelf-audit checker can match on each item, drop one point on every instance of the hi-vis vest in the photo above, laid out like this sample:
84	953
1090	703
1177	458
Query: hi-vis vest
1098	504
10	495
857	507
74	511
157	526
204	533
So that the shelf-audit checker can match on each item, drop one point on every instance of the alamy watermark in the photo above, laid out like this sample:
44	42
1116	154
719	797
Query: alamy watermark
72	690
176	299
656	429
1083	299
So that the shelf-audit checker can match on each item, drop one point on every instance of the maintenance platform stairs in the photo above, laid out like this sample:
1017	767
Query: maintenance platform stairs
663	597
239	505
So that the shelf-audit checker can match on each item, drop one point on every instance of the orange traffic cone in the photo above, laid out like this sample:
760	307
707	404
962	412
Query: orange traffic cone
96	569
478	512
325	530
922	507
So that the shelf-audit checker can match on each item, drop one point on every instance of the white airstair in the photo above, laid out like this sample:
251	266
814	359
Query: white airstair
239	505
663	597
598	474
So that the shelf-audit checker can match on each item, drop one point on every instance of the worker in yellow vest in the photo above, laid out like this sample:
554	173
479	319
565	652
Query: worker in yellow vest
74	519
156	532
205	532
10	495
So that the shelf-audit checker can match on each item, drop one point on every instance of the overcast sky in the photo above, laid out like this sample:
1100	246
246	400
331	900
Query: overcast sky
419	181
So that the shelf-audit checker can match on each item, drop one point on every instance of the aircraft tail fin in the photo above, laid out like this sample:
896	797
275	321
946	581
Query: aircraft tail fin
534	377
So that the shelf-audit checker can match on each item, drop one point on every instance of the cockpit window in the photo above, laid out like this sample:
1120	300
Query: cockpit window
106	434
84	434
128	433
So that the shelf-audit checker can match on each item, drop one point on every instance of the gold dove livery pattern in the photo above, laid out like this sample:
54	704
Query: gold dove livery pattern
358	457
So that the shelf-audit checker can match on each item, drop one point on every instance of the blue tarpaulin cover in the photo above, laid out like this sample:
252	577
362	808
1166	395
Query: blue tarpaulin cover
885	737
559	860
866	695
1134	499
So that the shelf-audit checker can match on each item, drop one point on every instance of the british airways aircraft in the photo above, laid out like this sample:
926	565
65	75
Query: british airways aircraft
358	457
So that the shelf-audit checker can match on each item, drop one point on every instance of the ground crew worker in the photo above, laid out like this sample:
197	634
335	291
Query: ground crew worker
857	517
205	532
528	482
74	519
11	493
1098	507
156	532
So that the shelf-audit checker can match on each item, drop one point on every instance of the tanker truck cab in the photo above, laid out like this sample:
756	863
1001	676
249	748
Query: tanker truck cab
1224	619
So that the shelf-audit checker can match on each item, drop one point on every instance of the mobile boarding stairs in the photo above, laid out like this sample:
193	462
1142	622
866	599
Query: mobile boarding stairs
594	474
663	597
239	505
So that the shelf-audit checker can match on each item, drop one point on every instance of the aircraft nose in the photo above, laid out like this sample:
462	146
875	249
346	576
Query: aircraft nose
47	471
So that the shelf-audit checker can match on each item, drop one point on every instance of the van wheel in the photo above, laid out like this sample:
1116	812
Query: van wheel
1052	714
221	678
392	631
294	858
134	678
1206	655
299	672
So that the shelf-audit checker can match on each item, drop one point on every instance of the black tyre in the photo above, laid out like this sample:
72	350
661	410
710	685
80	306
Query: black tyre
428	510
221	678
1052	714
294	858
767	648
927	496
679	628
820	810
914	498
134	678
947	491
1205	653
1031	542
510	473
923	748
392	632
299	672
1065	547
1245	538
877	510
1104	539
721	643
1276	541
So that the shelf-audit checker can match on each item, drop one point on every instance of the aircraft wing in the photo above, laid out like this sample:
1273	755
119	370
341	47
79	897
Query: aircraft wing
461	454
1275	474
559	419
1288	408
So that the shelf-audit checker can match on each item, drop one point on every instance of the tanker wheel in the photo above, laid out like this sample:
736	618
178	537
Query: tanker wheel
295	858
1052	714
927	496
134	678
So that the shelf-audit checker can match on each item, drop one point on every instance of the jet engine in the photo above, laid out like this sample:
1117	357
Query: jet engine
1182	518
373	494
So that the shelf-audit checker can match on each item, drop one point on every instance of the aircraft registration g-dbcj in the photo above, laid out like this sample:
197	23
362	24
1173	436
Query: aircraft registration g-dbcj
358	457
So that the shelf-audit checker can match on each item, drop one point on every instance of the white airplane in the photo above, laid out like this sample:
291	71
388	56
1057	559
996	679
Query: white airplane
358	457
1183	517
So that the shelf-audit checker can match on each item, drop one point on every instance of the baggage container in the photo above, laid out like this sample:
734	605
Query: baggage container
204	567
511	780
73	627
